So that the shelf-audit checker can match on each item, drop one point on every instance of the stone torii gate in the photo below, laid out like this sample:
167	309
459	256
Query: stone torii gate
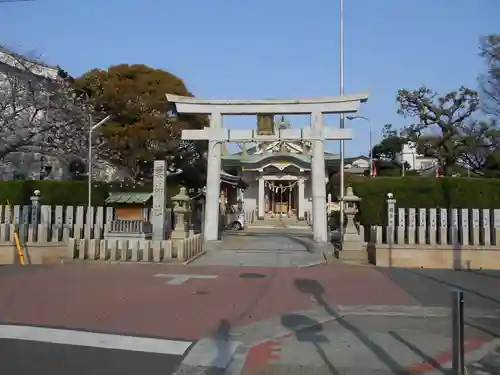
317	133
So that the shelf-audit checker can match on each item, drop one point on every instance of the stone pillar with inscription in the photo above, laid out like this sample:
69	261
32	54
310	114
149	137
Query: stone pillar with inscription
422	226
486	227
455	240
475	227
391	208
158	216
433	226
443	227
464	216
412	227
35	217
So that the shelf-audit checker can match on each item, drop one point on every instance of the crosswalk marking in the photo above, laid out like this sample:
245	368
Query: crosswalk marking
96	340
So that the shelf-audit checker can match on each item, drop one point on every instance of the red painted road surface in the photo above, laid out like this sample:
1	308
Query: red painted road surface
126	298
264	354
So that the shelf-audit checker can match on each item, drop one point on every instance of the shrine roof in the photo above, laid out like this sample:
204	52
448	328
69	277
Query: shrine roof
232	180
128	198
256	158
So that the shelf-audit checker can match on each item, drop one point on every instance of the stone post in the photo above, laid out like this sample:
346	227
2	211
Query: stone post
352	244
159	199
35	216
391	209
260	199
181	208
203	201
301	198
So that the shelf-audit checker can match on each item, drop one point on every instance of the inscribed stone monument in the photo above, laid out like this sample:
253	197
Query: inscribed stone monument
158	216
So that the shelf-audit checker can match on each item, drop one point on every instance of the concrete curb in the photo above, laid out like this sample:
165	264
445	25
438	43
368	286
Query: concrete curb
313	264
187	262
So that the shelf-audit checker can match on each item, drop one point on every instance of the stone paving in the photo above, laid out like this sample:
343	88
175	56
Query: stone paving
280	247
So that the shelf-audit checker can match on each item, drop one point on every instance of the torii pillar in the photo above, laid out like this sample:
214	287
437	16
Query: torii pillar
317	133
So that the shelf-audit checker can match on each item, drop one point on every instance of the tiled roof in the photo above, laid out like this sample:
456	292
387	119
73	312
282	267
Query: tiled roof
129	198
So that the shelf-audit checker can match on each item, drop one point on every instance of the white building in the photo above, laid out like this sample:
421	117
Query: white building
416	161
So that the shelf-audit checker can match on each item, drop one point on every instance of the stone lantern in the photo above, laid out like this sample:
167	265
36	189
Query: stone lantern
181	209
351	202
352	245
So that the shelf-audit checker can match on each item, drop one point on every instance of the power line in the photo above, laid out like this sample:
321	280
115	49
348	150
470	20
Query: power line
14	1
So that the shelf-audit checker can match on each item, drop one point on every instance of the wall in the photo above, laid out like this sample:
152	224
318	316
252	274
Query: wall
307	204
435	257
252	192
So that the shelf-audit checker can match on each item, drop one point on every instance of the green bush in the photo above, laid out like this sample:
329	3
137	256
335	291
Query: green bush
422	192
68	193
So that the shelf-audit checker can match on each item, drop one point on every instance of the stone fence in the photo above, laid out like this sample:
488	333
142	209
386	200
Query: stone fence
435	237
60	223
136	250
250	217
63	231
422	226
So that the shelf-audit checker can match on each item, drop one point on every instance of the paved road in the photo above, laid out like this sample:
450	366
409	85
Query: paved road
432	287
35	350
230	311
385	343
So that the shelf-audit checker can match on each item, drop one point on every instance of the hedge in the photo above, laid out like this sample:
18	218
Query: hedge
416	192
422	192
67	193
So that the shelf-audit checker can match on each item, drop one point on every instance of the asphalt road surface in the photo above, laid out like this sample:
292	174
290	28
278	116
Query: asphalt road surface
31	350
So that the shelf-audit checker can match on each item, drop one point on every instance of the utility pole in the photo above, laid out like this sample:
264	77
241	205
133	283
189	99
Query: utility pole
342	120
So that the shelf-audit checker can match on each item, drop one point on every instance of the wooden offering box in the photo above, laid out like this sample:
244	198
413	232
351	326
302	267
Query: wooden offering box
129	206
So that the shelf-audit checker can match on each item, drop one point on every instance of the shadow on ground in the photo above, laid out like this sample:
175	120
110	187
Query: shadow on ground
433	287
310	334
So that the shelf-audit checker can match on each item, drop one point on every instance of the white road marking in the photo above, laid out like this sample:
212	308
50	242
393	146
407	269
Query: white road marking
95	340
381	310
177	279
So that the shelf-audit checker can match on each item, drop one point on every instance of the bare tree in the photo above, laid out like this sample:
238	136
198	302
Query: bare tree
490	81
441	120
480	143
38	110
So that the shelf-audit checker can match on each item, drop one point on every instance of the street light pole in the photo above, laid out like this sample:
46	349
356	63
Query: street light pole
89	178
371	138
89	169
342	121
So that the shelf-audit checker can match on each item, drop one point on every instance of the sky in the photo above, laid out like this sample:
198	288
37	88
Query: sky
227	49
